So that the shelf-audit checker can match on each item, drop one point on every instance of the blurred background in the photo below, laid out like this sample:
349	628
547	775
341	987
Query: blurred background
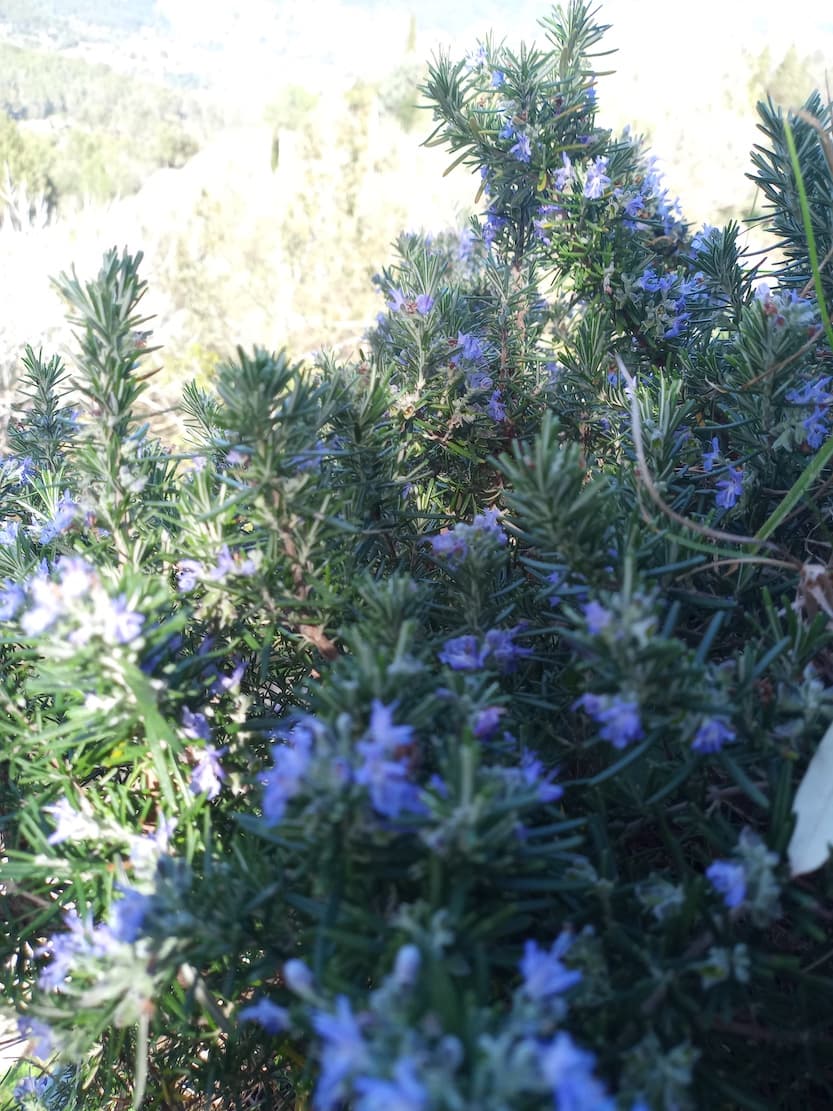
264	155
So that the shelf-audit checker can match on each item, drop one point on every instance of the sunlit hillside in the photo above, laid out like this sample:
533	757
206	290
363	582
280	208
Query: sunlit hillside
265	155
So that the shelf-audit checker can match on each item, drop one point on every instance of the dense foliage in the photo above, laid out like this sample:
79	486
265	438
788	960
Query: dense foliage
426	736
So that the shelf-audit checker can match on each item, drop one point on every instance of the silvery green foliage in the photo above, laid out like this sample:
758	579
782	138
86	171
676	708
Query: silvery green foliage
419	735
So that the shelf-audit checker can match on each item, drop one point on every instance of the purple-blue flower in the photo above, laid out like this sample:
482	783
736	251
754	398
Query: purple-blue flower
195	725
711	457
290	763
70	824
272	1018
597	617
32	1087
38	1033
188	574
424	304
404	1092
729	881
470	347
48	607
565	174
478	380
543	973
487	722
343	1053
730	488
208	774
66	511
618	717
120	624
463	653
521	149
498	78
451	544
12	598
531	773
397	300
811	393
298	977
815	428
9	533
556	580
712	735
127	915
385	763
500	645
597	180
487	523
496	408
569	1071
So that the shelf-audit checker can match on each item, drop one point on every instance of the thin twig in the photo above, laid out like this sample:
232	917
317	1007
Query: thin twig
654	494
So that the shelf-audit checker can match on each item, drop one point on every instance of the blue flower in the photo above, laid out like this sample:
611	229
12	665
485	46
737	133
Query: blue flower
470	347
705	239
187	575
544	974
500	644
486	523
407	965
729	880
397	300
597	180
424	304
66	511
49	606
815	426
463	653
711	457
597	617
618	717
712	735
195	725
676	325
385	768
569	1071
522	150
265	1013
12	598
8	533
634	206
730	488
343	1053
556	580
451	544
498	79
496	408
487	722
493	225
565	174
38	1033
290	763
478	380
128	914
531	773
70	824
811	393
298	977
403	1093
120	624
208	774
32	1088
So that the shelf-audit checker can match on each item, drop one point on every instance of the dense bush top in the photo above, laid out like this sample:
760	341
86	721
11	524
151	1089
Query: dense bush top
425	735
